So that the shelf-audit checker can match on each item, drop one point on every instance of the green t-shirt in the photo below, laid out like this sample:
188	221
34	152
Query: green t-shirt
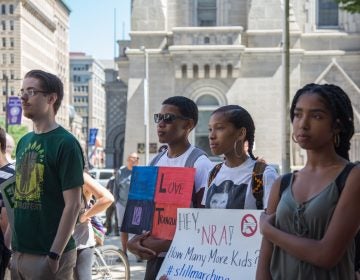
46	165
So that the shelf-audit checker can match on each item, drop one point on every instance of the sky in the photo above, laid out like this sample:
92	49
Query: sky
92	26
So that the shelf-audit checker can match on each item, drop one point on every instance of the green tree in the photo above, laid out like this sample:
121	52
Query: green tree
351	6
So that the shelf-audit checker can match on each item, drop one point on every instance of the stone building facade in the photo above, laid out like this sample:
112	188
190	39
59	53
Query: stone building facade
116	102
220	52
34	35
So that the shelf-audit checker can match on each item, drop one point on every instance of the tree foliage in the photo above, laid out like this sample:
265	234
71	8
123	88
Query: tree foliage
351	6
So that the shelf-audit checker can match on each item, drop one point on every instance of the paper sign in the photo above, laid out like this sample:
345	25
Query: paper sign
175	185
7	189
164	222
214	244
138	216
143	180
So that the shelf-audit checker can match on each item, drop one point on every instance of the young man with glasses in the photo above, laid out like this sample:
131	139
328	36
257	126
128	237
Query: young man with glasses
177	118
121	193
49	176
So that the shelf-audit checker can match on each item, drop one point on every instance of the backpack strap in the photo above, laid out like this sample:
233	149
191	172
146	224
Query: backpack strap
284	183
194	155
214	172
257	183
156	159
341	179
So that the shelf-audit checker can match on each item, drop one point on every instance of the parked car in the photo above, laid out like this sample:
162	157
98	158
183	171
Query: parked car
101	175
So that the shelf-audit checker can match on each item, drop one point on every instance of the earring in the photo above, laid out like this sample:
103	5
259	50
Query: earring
235	148
293	138
337	140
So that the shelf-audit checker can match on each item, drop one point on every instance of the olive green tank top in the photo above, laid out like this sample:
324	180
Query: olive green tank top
310	220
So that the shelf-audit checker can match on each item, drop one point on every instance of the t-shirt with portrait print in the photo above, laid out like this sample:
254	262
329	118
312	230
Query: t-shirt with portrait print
231	188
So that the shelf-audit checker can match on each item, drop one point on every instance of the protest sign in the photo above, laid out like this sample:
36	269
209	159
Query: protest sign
7	189
174	189
214	244
154	196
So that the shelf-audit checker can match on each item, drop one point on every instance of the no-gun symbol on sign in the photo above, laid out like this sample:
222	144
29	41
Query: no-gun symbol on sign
248	225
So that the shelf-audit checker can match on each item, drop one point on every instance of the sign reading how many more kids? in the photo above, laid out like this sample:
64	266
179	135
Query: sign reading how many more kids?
213	244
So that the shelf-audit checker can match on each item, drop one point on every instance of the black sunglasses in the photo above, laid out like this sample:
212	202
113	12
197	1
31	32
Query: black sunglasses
168	118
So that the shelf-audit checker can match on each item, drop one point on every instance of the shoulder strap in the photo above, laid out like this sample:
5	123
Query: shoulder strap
284	183
341	179
257	183
213	173
194	155
156	159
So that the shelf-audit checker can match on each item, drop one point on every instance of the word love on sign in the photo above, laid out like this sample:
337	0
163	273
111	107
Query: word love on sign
173	190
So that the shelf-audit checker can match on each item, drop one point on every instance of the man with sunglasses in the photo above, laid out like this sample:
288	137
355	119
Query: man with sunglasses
177	118
121	193
49	176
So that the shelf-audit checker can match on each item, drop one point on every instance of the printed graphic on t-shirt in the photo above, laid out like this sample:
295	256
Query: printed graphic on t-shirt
29	178
226	196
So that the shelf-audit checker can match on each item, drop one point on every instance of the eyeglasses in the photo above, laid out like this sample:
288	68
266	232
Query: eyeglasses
134	158
168	118
30	92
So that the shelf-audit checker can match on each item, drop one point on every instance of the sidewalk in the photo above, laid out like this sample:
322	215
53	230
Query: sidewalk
137	270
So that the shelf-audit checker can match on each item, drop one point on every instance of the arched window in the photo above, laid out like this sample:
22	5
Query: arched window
207	71
196	71
183	71
207	104
218	70
229	71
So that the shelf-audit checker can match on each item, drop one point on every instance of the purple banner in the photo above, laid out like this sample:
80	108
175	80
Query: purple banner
14	110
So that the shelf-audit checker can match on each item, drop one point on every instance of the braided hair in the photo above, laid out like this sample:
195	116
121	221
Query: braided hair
339	104
239	117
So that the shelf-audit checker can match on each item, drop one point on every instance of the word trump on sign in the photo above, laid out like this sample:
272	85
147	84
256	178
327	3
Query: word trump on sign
220	244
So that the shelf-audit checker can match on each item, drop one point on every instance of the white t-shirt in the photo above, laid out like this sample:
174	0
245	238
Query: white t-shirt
231	187
202	165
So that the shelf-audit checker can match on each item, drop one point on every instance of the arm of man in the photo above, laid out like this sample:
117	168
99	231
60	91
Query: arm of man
72	198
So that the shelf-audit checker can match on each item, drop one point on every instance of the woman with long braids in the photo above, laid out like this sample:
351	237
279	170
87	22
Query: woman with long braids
230	127
309	226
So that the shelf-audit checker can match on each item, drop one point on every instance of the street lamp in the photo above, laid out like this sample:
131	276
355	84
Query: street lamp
146	103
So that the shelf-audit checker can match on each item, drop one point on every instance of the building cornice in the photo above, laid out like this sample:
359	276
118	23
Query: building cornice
28	5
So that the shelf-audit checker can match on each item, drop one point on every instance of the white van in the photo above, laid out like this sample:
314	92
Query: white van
101	175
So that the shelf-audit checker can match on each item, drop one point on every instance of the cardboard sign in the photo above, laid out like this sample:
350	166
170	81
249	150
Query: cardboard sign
174	185
154	196
143	181
7	189
138	216
214	244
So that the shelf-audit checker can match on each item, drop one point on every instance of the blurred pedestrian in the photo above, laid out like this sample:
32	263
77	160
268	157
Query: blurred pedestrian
49	176
10	146
121	193
83	232
111	210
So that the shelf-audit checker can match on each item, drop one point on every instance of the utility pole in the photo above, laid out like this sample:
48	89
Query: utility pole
285	115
